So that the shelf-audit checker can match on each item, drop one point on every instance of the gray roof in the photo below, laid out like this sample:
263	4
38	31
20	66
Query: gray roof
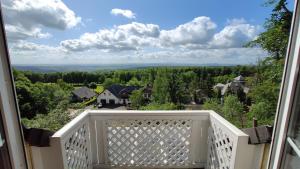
259	135
84	93
237	83
115	89
240	78
122	91
225	88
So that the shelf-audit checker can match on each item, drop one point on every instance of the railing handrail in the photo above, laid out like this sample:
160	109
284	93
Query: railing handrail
149	112
71	125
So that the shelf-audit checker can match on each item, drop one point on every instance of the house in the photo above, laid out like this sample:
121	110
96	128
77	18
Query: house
116	94
236	85
82	93
147	92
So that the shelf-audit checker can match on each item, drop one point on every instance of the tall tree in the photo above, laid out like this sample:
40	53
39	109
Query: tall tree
160	92
137	99
234	110
176	88
275	38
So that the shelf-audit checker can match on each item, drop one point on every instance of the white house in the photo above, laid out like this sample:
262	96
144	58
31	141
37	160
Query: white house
116	94
238	83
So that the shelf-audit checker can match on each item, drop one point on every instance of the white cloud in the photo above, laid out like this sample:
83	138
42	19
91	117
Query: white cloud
194	42
198	31
124	37
26	18
236	34
206	56
123	12
29	46
16	33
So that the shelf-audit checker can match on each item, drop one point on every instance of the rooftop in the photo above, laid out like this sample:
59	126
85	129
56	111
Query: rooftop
84	93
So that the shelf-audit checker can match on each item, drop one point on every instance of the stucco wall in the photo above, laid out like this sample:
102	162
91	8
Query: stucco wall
107	95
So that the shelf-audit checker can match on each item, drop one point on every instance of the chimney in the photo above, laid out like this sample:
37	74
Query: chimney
254	122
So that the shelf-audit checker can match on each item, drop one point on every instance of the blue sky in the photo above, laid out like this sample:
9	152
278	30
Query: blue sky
133	31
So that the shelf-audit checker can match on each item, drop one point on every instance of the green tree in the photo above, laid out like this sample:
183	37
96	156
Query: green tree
263	112
193	88
177	92
160	92
265	84
134	82
108	82
275	38
213	104
53	121
137	99
93	85
234	110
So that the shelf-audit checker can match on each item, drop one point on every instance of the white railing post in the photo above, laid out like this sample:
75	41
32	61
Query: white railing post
199	142
94	142
102	141
244	154
75	143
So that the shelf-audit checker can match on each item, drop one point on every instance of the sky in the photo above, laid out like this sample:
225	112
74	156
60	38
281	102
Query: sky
134	31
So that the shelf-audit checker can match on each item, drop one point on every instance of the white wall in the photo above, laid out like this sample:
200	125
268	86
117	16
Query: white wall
107	95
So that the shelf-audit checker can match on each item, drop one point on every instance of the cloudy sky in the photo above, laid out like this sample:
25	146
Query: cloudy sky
133	31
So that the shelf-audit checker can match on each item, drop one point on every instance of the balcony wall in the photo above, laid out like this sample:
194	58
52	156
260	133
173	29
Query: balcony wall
148	139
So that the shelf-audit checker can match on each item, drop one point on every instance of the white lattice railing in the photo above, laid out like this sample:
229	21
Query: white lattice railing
228	146
74	142
151	139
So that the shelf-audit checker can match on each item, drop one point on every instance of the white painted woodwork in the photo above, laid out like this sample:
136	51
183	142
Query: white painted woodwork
151	139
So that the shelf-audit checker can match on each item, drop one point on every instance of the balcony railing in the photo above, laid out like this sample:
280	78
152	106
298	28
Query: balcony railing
150	139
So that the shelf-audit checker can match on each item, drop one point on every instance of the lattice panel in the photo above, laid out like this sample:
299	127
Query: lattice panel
146	143
77	150
220	146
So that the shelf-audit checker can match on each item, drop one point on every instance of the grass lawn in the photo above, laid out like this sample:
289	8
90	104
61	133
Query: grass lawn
99	89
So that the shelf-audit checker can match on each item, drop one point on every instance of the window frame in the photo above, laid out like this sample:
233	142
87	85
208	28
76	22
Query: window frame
9	108
287	93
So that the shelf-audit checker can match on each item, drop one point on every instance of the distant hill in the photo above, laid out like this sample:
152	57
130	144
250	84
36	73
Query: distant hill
90	68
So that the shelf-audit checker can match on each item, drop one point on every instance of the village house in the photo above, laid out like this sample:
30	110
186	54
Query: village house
236	85
147	92
82	94
116	94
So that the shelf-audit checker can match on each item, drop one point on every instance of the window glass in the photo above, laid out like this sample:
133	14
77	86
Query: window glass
294	124
296	131
291	159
